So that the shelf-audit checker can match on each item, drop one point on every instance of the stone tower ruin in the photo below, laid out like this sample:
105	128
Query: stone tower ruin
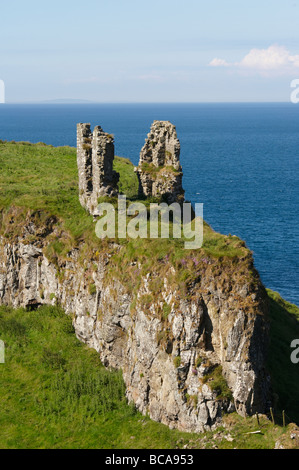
95	156
159	170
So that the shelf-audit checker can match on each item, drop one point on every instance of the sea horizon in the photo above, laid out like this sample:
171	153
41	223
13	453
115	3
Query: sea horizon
82	101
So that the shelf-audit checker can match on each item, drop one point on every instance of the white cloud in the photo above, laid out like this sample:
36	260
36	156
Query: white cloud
275	58
219	63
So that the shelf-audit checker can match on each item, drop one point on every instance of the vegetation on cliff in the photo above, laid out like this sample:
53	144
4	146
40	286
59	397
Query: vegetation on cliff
42	180
45	178
55	393
284	328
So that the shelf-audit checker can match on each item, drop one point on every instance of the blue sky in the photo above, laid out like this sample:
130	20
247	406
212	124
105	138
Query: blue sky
157	51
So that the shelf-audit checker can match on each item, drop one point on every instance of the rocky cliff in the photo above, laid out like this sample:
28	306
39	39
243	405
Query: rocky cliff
189	351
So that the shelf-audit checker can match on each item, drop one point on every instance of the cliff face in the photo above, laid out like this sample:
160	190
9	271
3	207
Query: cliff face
174	349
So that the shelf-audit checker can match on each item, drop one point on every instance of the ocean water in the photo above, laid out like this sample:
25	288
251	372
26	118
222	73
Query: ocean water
240	160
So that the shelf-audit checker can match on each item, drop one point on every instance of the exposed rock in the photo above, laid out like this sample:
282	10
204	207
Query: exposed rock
95	156
159	170
289	439
167	363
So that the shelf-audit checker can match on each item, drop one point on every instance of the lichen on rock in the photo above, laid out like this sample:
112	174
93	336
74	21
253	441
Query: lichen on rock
159	170
95	156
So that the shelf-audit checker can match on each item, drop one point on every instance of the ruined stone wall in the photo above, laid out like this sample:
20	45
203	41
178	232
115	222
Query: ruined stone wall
95	156
159	170
84	162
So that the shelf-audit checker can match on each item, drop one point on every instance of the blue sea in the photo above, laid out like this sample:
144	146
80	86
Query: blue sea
240	160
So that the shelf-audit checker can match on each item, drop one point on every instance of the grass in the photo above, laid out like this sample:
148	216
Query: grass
36	176
284	328
128	183
56	394
218	384
53	390
45	178
154	171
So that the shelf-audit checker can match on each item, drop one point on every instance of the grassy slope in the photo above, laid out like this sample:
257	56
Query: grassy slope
36	176
55	394
44	177
284	328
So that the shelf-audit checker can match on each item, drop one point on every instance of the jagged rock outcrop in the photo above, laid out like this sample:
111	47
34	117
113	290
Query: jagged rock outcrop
159	170
169	344
95	156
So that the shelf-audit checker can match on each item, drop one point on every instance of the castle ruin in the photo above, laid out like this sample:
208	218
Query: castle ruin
95	156
159	170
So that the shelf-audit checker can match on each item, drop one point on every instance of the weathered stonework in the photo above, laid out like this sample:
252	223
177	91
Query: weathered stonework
95	155
159	170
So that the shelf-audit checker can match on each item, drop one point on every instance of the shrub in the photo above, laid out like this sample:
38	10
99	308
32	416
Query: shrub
86	147
198	361
92	289
166	311
218	384
177	361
